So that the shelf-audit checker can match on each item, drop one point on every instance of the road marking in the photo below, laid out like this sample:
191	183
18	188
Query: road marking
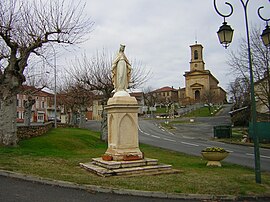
262	156
215	142
229	151
143	131
171	133
268	157
169	139
190	144
155	136
186	137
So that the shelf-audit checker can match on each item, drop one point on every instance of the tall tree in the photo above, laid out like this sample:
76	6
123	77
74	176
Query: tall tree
25	29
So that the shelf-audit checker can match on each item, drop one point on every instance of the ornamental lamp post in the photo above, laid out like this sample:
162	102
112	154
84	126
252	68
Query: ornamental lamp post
225	34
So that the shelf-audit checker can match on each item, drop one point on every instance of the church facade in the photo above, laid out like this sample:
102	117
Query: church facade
200	85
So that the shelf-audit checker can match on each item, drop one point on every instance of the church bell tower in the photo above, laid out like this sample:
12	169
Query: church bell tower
196	62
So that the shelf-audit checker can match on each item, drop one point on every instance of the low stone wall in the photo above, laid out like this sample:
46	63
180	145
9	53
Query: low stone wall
64	125
26	132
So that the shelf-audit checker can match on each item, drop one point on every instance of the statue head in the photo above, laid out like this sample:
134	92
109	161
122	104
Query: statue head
122	48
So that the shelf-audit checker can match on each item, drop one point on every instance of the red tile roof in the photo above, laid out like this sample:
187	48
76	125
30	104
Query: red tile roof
165	89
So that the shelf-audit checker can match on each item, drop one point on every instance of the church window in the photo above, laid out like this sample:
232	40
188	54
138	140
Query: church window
196	55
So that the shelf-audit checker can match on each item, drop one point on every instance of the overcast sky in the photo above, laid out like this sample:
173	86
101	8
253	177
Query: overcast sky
159	33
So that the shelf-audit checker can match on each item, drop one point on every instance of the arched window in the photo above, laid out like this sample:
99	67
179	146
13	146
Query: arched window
196	55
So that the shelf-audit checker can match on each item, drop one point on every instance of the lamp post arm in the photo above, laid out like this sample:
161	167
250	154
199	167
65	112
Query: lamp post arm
259	14
223	15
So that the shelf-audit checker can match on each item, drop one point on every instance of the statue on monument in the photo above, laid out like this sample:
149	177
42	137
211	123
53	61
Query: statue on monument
121	71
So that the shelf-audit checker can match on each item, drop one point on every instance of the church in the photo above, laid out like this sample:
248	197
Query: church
200	85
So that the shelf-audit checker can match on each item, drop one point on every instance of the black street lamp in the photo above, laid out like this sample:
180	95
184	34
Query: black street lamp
266	36
228	32
225	34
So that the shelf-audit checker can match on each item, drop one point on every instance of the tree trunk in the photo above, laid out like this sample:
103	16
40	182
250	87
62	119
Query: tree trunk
28	110
27	116
74	119
8	125
82	119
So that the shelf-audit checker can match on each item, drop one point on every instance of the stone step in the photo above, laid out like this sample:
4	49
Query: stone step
124	164
131	171
97	169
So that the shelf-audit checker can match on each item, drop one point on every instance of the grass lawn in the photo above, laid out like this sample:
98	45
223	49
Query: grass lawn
57	156
203	112
161	110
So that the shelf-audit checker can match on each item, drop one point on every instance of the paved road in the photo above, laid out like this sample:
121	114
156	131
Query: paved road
191	138
152	134
13	190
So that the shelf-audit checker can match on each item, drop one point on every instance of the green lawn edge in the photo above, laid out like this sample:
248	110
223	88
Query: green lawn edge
57	155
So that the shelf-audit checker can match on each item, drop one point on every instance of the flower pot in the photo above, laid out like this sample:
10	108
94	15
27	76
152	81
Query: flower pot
214	158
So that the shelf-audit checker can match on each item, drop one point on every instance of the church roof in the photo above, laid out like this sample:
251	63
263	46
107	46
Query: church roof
200	72
197	72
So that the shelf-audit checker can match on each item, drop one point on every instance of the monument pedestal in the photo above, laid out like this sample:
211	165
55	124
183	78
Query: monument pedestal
123	142
123	156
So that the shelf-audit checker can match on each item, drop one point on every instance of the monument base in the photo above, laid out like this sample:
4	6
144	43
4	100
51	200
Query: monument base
122	154
123	143
127	168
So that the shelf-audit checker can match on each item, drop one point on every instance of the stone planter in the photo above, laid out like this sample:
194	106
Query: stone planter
214	158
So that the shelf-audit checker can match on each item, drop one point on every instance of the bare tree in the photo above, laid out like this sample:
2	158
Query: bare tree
25	28
76	98
96	73
208	98
260	62
240	91
150	98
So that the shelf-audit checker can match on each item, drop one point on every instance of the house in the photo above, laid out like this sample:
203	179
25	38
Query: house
140	99
42	108
165	95
97	109
262	93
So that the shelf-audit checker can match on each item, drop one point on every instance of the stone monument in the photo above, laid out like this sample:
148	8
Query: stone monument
122	110
123	156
